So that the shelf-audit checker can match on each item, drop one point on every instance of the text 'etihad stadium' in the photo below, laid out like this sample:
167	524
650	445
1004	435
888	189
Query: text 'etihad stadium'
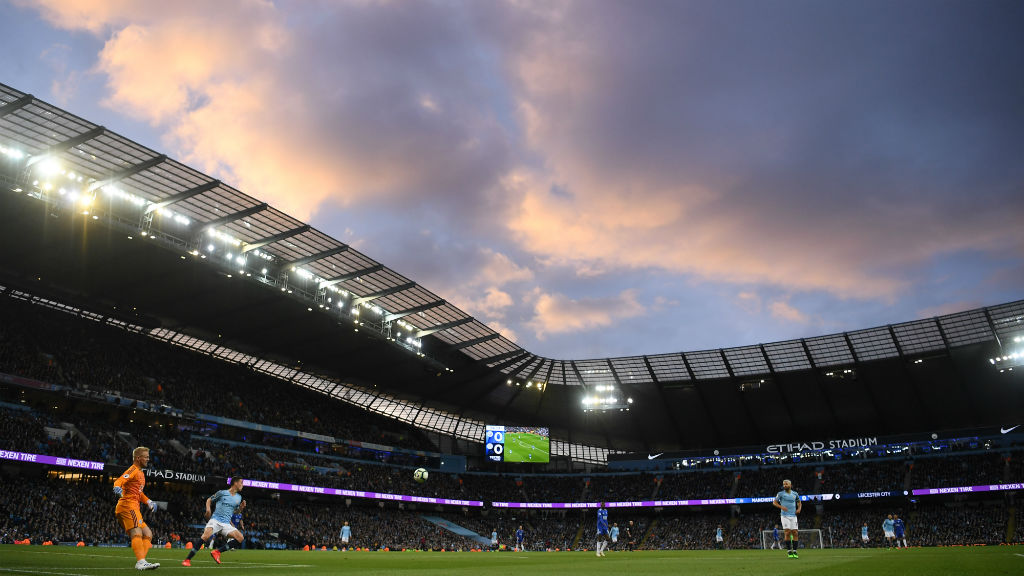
830	445
172	475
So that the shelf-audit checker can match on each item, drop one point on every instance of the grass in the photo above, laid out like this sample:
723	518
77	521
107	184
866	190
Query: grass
520	445
66	561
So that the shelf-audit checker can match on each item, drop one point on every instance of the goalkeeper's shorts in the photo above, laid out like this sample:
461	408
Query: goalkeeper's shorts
129	516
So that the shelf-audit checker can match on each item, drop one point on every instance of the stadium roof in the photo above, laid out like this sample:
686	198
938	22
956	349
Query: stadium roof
229	269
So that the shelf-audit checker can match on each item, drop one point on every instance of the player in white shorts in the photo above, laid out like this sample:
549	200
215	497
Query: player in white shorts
227	503
789	504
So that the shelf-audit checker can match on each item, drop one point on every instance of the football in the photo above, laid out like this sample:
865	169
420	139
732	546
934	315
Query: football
420	475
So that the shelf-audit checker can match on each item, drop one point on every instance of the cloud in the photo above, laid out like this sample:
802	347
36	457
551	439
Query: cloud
559	314
362	102
504	330
785	311
92	15
497	269
749	302
65	80
798	167
492	305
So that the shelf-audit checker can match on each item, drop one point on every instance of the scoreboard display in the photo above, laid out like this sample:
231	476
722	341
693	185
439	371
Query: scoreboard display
517	444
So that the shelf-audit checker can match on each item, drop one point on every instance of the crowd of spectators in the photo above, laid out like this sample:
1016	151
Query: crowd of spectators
967	470
853	477
54	347
82	510
932	524
696	485
110	440
768	481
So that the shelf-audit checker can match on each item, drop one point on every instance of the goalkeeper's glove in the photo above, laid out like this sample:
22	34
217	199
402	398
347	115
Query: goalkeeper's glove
118	491
152	505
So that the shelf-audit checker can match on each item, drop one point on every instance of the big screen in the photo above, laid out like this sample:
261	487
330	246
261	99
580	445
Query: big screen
517	444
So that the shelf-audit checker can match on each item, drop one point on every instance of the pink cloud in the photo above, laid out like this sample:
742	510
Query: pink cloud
785	311
559	314
492	305
264	101
504	330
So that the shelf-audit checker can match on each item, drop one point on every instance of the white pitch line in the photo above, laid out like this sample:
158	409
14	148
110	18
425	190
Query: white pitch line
62	568
77	554
27	571
247	564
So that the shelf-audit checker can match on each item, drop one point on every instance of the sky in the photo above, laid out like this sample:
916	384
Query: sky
591	178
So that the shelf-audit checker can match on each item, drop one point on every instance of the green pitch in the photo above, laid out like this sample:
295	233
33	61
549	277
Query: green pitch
520	446
59	560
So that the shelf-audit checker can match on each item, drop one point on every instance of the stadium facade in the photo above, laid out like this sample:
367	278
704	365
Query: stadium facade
103	227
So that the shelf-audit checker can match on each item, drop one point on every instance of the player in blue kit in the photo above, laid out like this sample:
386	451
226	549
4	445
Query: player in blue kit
775	538
899	529
788	502
602	530
888	530
520	547
346	535
236	521
227	503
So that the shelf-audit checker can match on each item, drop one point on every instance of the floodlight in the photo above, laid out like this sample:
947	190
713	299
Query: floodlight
49	167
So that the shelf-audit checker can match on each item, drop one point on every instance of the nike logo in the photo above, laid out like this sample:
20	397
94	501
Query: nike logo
649	457
1001	429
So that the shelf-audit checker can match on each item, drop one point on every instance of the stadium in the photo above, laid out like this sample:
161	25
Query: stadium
145	303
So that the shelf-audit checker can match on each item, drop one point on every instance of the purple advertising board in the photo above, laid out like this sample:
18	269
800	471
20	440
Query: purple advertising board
968	489
355	493
52	460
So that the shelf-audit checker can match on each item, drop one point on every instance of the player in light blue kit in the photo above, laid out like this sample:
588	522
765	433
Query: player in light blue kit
346	535
236	521
494	539
602	530
888	530
864	535
614	534
788	502
520	547
227	503
719	538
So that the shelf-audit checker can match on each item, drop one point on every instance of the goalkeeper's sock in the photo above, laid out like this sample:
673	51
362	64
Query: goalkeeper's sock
138	547
148	543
